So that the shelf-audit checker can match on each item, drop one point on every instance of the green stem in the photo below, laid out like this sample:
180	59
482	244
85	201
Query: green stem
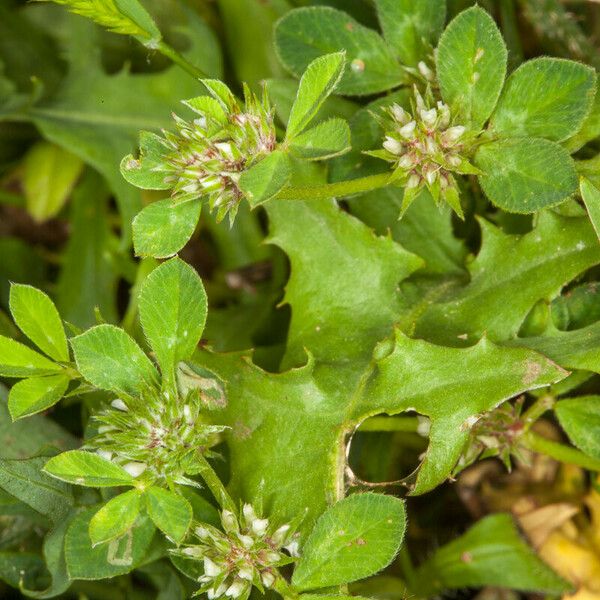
282	587
406	424
180	60
537	409
560	452
406	565
336	190
215	485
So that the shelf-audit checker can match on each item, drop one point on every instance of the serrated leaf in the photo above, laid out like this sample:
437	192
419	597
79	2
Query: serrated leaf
307	33
115	518
172	306
87	468
17	360
144	172
38	319
169	511
164	227
266	178
471	65
410	27
318	82
545	97
580	418
50	173
523	175
36	394
491	553
590	195
355	538
526	268
325	140
111	360
118	557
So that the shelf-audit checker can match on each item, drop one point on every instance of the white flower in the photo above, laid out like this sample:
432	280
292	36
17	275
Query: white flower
392	145
135	469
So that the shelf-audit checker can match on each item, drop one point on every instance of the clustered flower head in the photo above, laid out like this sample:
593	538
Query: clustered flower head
156	436
246	553
425	148
207	156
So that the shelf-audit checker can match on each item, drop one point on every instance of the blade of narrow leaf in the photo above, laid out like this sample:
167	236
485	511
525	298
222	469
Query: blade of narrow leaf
590	195
172	306
307	33
325	140
35	394
38	319
523	175
115	518
17	360
580	418
318	81
135	11
497	556
111	360
471	65
164	227
87	468
410	27
266	178
119	556
355	538
545	97
169	511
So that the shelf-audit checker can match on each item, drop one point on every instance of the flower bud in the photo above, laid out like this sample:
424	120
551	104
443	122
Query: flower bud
392	145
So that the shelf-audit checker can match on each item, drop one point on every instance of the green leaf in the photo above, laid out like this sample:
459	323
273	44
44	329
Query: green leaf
164	227
355	538
317	83
491	553
471	65
580	418
144	172
35	394
411	27
523	175
307	33
135	11
117	557
87	468
111	360
38	319
325	140
17	360
169	511
545	97
526	268
50	173
266	178
590	195
115	518
172	306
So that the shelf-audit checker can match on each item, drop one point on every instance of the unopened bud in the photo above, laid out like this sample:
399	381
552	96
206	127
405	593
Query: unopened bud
425	71
429	116
399	114
135	469
408	130
119	404
392	145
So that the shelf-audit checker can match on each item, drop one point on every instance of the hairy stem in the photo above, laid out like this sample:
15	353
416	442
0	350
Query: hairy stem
180	60
560	452
215	485
332	190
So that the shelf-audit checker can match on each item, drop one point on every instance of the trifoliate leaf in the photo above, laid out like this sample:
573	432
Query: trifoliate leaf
87	468
523	175
318	82
111	360
411	28
164	227
172	306
36	394
580	418
355	538
17	360
545	97
266	178
115	518
307	33
325	140
169	511
471	65
38	319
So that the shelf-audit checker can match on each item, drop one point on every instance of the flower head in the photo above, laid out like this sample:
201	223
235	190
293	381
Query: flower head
156	436
207	155
425	148
246	553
